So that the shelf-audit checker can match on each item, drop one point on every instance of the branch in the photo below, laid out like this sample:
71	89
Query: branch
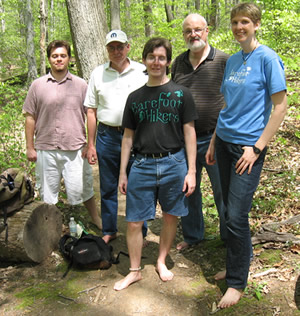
260	274
67	298
275	170
91	288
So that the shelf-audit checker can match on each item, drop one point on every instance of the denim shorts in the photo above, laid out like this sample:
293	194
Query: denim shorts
156	179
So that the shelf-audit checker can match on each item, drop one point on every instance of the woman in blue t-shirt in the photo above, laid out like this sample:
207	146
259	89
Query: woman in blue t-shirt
253	80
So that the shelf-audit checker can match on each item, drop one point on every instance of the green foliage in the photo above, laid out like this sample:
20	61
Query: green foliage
279	31
275	192
12	139
13	41
47	293
269	257
224	41
255	289
270	5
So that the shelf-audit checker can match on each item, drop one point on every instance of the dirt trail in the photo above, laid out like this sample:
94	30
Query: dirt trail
39	289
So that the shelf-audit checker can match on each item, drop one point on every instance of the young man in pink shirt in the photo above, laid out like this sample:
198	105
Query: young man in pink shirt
55	132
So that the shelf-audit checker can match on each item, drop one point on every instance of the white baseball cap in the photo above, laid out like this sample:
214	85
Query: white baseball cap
116	36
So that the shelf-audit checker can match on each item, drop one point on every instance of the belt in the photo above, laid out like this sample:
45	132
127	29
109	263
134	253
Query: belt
116	128
159	155
211	131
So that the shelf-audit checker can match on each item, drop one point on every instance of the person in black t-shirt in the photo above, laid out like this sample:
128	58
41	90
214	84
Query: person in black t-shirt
159	125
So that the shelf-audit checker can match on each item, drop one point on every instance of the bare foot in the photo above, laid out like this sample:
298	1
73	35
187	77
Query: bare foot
130	278
108	238
163	272
220	275
182	245
231	297
145	243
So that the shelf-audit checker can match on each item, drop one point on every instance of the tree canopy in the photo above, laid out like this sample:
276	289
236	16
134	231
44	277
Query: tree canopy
141	19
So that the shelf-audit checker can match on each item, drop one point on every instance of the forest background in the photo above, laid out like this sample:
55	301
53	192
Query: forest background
26	27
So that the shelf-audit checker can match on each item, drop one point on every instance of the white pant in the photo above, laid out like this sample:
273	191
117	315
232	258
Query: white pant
53	165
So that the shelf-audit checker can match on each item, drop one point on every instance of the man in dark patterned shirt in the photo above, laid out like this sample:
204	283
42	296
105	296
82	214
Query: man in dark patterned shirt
201	69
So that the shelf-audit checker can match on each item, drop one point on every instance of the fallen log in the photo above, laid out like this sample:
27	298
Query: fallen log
268	232
33	233
267	236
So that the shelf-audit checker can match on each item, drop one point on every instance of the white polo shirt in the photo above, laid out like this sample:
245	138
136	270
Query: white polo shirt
108	90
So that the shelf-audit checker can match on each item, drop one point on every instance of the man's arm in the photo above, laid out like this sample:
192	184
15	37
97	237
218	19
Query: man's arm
91	153
29	136
127	142
210	154
191	151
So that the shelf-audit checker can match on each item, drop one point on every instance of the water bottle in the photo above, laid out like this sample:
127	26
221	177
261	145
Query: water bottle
73	227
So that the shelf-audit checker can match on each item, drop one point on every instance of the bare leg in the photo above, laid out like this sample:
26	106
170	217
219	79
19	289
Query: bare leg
220	275
135	245
92	209
231	297
167	236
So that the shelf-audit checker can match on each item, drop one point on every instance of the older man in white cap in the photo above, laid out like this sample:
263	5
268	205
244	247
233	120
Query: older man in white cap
109	87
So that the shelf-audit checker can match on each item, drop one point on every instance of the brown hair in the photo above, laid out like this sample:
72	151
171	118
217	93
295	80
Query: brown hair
251	10
156	42
56	44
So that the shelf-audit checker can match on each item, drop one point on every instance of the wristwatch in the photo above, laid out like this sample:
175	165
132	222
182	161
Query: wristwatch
256	150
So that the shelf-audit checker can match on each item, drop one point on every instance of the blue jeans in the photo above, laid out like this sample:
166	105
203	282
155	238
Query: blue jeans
193	223
237	192
156	179
108	146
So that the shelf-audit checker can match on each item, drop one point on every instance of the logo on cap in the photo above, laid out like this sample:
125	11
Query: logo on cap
113	35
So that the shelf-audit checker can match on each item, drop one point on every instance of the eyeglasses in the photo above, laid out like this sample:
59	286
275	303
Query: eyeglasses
119	48
153	58
62	56
197	31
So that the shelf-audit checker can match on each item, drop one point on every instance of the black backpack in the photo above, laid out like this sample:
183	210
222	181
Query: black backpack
16	190
87	252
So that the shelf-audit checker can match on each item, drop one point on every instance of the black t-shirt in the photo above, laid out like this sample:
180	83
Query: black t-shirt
157	115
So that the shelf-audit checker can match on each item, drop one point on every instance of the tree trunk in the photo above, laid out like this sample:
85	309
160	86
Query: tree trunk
148	18
115	22
2	30
51	19
128	25
2	18
213	14
88	28
43	32
169	13
33	233
32	70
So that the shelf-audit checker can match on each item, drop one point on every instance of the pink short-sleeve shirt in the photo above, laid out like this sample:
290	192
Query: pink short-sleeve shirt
58	110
